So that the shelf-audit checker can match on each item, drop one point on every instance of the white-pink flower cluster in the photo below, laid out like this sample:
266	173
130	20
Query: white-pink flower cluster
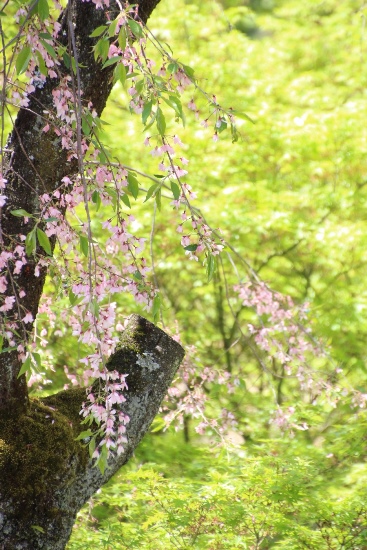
189	396
280	333
104	409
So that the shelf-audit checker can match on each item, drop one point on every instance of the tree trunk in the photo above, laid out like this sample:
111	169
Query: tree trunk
45	474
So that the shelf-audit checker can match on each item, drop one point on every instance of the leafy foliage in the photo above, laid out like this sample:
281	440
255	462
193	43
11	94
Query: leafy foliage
289	194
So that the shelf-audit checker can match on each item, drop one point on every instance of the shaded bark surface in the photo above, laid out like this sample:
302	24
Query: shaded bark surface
45	474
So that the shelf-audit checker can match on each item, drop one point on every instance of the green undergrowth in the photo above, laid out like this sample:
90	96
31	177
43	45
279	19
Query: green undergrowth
179	495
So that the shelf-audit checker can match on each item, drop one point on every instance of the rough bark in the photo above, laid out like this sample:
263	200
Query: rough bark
45	474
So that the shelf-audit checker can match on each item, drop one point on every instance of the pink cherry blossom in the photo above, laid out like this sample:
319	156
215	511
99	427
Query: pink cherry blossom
28	318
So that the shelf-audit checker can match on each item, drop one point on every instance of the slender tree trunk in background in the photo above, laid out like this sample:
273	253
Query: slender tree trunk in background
45	474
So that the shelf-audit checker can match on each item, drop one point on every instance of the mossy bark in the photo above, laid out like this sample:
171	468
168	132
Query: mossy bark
45	474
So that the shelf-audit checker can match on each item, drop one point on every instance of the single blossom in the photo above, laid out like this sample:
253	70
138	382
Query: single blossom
28	318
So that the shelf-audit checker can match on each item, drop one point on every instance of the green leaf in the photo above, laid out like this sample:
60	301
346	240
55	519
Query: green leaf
120	73
98	122
111	61
50	50
175	190
102	157
223	126
122	38
37	358
101	49
73	64
44	241
1	342
133	185
66	59
112	28
112	193
86	124
41	64
84	245
158	425
38	528
131	75
96	199
21	213
94	307
135	28
156	307
234	133
210	268
191	247
188	70
146	112
31	242
138	276
6	350
139	86
160	83
125	199
84	435
43	9
151	122
152	190
161	122
92	446
23	59
172	68
102	460
158	198
242	115
98	31
25	367
172	105
176	105
72	298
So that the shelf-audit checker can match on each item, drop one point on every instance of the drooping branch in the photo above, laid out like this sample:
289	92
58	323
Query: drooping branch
35	163
45	474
